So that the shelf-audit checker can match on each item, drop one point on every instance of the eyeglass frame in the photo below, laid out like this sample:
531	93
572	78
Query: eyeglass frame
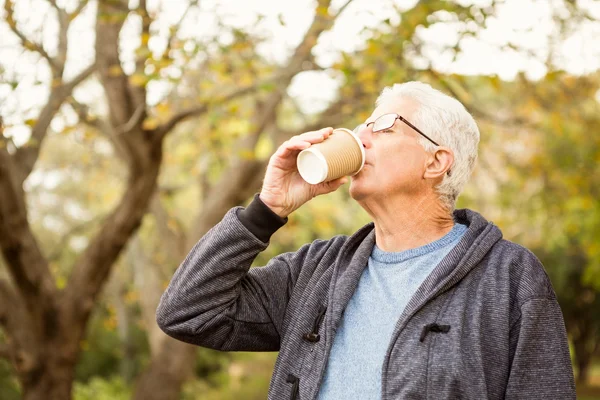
401	118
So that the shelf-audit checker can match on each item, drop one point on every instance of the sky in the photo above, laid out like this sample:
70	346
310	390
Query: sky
527	23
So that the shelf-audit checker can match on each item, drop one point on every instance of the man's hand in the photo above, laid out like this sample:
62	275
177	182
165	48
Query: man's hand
283	189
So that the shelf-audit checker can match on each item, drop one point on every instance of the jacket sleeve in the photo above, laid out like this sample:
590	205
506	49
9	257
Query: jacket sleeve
541	367
216	300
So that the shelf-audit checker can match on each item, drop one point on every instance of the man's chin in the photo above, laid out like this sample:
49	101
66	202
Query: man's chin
357	190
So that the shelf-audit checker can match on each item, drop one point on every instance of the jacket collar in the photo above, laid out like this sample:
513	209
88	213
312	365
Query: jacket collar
479	238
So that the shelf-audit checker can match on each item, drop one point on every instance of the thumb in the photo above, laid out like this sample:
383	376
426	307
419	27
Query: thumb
331	186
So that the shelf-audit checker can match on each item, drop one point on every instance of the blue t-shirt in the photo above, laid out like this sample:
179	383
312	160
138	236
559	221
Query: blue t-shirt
386	286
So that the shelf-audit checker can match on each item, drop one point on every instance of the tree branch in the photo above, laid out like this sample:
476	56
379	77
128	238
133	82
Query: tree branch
9	306
83	113
25	262
101	126
244	173
27	155
93	266
123	98
116	85
26	43
144	51
164	129
63	22
342	8
175	28
78	10
171	234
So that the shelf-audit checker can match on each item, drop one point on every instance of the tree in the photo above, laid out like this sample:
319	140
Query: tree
44	324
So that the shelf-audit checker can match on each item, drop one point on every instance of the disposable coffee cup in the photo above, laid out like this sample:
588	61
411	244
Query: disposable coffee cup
341	154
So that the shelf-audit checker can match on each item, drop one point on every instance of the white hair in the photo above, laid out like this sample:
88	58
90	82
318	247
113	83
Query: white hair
445	120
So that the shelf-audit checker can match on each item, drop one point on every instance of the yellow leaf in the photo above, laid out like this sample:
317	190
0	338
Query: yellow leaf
145	38
322	11
115	70
172	225
246	154
150	123
131	297
246	80
367	75
264	148
162	108
138	80
61	282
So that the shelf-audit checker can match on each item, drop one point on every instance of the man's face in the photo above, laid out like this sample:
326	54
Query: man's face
395	161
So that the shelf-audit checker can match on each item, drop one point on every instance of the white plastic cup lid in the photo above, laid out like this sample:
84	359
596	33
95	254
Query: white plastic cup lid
312	166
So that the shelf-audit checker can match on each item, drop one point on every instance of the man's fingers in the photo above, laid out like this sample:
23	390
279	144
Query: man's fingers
303	141
331	186
292	146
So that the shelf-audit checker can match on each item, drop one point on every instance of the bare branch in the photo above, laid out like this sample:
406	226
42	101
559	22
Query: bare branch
136	118
27	155
169	229
175	28
101	125
83	113
144	51
53	4
163	130
342	8
116	85
78	10
25	42
63	22
123	97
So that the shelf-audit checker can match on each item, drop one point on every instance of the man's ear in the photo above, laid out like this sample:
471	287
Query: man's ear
439	163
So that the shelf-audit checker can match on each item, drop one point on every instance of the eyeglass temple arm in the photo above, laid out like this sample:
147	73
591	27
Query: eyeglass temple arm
417	129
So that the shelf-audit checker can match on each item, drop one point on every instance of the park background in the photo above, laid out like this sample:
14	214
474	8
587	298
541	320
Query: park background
128	128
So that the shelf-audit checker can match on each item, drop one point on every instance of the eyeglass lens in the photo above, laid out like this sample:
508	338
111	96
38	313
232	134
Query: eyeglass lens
386	121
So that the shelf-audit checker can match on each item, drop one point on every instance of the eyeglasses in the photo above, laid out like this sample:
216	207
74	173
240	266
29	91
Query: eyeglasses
386	121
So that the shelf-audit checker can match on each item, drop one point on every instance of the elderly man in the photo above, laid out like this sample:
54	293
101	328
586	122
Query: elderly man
426	302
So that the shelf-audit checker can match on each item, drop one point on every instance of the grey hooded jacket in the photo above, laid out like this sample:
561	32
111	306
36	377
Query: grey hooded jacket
484	325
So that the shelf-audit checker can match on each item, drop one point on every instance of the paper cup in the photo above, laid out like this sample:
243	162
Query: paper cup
341	154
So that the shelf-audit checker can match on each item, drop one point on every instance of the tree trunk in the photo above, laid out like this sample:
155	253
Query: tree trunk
51	381
167	371
583	357
45	361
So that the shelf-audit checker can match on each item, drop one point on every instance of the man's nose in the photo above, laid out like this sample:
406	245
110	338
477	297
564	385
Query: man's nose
364	134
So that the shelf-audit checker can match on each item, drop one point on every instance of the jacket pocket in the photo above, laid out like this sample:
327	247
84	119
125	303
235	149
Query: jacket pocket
295	381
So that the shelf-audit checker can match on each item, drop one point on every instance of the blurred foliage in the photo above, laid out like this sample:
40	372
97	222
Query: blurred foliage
98	388
103	350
